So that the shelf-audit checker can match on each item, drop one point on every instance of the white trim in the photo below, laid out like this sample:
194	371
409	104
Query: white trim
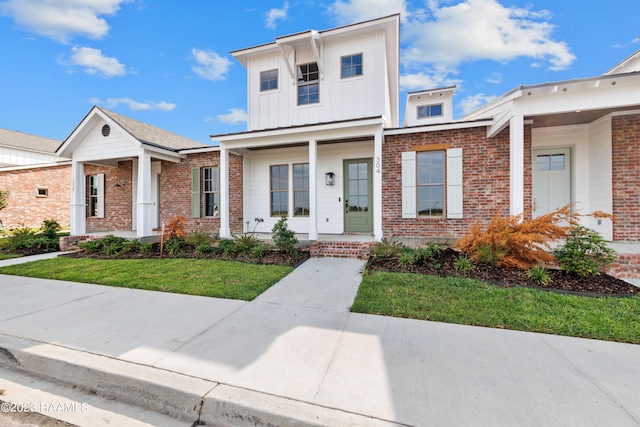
433	128
35	166
454	181
409	209
516	165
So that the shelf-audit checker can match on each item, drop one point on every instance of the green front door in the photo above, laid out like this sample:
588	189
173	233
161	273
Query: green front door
358	198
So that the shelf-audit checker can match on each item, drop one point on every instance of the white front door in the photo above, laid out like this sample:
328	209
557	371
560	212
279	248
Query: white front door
551	179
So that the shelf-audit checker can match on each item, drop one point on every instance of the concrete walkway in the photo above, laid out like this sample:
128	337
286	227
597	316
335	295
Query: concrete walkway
296	356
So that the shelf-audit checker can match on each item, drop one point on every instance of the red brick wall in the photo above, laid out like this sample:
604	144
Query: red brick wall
117	200
626	177
25	208
175	185
485	181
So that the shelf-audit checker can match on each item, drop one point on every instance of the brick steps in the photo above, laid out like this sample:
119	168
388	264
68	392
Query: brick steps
333	249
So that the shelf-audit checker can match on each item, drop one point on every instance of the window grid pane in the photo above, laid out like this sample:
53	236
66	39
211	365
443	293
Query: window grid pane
308	86
351	66
279	190
430	177
301	189
211	191
268	80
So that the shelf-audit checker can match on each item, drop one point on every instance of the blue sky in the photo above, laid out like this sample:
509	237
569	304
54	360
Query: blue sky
167	62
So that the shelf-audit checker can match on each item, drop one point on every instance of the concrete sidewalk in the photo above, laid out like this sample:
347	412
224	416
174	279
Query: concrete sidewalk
296	356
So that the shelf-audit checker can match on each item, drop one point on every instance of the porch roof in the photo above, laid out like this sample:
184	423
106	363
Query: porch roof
25	141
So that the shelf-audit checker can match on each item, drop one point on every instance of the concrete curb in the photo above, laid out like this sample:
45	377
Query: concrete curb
179	396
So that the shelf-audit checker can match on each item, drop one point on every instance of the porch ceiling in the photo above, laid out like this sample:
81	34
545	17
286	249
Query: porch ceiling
574	118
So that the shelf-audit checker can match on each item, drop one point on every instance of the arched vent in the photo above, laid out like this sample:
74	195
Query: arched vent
106	130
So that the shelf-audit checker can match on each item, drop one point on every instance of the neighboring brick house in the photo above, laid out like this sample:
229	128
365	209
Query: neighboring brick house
324	148
37	180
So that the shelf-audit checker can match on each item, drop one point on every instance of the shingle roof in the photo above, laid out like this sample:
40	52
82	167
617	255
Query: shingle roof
151	135
25	141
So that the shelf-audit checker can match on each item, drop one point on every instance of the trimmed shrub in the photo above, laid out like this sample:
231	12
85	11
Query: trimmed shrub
584	252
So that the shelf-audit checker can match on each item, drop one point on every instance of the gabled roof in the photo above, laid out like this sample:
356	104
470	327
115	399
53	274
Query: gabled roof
10	138
151	135
139	132
629	65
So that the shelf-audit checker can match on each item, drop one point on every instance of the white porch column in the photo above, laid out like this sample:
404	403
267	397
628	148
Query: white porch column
144	200
377	186
516	164
225	231
313	190
78	217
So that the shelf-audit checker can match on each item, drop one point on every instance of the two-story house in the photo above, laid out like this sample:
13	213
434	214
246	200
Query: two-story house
324	148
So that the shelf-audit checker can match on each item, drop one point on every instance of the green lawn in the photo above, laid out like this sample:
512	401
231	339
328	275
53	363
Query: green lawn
469	302
213	278
7	256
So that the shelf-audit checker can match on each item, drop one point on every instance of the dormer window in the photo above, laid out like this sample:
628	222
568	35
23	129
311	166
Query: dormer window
268	80
308	84
351	66
426	111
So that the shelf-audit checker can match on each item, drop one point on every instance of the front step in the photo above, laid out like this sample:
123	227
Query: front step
333	249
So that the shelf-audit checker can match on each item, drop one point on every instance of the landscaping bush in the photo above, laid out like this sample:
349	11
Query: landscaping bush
386	249
245	243
283	238
584	252
516	242
539	275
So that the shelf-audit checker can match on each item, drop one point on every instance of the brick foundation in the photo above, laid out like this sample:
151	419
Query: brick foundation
332	249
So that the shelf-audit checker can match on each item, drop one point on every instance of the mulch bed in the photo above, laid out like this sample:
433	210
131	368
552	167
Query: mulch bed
269	256
593	285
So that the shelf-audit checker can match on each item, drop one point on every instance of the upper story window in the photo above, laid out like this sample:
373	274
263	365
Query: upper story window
308	84
268	80
425	111
351	66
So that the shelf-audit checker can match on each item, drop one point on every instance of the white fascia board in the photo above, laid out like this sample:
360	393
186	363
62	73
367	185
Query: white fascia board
327	131
35	166
493	107
163	154
211	149
433	128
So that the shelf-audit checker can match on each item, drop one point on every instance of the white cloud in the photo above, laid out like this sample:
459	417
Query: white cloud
210	65
350	11
473	30
95	63
60	20
429	78
134	105
472	102
494	78
236	115
276	14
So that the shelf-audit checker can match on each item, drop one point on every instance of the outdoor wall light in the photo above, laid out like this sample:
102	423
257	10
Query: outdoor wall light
118	184
329	178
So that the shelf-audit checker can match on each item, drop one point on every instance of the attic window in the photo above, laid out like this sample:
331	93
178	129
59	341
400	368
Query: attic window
106	130
425	111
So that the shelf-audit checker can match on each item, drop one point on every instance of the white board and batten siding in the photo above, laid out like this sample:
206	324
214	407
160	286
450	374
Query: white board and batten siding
17	157
453	182
330	199
340	99
98	147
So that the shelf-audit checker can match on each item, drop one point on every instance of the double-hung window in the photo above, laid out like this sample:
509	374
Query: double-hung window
96	196
430	183
279	190
308	84
268	80
351	66
301	189
211	190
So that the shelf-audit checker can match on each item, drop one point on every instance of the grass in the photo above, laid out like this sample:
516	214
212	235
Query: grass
212	278
470	302
8	256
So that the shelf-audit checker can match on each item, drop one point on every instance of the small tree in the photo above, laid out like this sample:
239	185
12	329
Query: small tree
516	242
584	252
283	238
